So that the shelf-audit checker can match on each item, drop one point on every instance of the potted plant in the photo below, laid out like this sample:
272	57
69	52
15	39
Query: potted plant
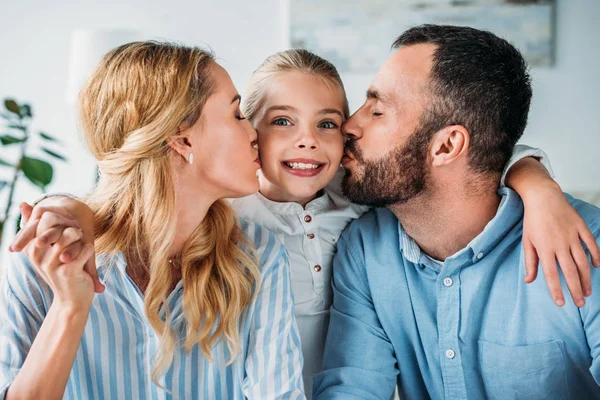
16	137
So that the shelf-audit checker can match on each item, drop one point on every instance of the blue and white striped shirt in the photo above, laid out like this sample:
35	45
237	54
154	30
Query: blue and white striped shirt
115	357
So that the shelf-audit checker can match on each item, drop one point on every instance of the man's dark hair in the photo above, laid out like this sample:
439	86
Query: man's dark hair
479	81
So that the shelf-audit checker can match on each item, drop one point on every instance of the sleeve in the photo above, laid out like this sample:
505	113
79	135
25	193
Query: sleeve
274	359
590	313
359	360
23	305
522	151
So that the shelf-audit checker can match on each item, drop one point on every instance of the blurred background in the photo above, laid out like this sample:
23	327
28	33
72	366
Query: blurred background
48	49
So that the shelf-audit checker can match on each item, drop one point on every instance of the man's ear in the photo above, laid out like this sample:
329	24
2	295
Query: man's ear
449	144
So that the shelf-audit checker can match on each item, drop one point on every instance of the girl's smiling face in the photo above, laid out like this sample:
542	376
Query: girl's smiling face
299	136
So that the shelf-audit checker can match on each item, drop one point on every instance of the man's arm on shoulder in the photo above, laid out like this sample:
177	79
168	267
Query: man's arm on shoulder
359	361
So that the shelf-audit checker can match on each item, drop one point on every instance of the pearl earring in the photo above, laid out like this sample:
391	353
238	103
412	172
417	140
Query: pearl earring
191	158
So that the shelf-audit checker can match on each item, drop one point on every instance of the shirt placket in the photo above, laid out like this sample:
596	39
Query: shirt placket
311	249
448	293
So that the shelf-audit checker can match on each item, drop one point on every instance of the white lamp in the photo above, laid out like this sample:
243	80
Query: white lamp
87	49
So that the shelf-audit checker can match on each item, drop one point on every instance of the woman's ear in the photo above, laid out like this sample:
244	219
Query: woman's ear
182	145
449	144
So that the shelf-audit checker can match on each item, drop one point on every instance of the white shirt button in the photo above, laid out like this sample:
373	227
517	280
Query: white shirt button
479	256
448	282
450	353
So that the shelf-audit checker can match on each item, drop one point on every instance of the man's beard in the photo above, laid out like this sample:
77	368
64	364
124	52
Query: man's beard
396	178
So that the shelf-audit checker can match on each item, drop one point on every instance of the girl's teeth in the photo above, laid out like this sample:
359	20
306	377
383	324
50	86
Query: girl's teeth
302	166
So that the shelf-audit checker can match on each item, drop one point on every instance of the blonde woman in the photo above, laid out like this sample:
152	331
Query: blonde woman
192	303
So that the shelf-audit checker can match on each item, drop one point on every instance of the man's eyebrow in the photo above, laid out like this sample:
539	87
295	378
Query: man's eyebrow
376	95
372	94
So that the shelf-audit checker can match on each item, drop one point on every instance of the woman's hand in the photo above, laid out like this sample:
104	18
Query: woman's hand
52	236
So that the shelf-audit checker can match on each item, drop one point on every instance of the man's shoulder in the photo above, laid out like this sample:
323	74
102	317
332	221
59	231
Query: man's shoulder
375	224
588	212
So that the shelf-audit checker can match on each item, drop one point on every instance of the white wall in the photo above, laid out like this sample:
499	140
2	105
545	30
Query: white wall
34	46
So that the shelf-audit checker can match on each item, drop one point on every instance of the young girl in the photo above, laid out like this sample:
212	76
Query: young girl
297	103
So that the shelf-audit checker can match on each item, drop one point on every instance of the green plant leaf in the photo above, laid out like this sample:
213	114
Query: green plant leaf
39	172
12	106
19	127
53	154
8	139
6	164
26	111
48	137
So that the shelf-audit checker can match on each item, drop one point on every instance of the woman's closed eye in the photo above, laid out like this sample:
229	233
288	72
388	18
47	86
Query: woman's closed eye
239	116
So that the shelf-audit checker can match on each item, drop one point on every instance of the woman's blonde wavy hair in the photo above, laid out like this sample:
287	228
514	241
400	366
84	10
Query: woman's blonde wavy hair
293	60
137	98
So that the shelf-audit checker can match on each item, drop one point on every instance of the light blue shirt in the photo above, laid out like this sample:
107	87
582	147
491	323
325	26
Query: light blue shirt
114	360
467	329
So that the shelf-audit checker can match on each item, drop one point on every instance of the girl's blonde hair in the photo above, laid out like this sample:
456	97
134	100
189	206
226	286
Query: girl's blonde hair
136	100
288	61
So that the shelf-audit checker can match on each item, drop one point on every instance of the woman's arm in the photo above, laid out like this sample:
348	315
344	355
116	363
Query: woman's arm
38	348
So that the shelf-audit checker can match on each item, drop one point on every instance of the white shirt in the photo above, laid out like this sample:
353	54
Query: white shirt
310	235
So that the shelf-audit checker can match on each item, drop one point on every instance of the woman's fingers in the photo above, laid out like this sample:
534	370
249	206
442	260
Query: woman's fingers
40	221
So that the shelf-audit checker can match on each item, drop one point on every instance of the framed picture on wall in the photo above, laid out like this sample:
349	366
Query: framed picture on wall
356	35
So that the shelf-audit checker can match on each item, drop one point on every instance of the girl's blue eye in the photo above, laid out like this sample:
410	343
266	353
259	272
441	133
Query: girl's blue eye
282	122
328	125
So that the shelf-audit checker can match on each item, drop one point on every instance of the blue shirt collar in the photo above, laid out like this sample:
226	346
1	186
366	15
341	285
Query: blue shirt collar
510	212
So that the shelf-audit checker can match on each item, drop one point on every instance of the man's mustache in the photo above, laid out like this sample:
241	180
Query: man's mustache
352	150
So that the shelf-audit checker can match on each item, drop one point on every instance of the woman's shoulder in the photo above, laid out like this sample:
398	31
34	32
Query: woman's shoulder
269	250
